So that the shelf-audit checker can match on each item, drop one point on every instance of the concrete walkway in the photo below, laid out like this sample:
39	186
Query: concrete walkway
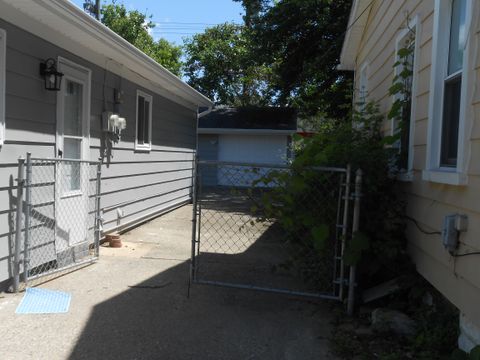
132	304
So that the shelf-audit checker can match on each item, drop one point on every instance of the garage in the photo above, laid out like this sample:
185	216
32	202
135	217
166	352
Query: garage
247	136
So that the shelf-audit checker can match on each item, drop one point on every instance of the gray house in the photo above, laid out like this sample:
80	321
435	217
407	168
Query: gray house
113	102
245	135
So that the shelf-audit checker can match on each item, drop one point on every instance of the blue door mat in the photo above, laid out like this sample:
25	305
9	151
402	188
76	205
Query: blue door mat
43	301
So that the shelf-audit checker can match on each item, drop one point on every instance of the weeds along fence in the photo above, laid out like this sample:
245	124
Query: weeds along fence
57	218
272	228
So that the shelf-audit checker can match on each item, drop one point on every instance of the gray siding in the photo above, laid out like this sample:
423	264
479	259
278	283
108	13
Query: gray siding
140	184
208	150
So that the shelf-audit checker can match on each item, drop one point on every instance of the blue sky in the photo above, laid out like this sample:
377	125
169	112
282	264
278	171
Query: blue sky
176	19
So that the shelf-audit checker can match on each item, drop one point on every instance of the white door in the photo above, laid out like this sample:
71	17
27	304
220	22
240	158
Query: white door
72	175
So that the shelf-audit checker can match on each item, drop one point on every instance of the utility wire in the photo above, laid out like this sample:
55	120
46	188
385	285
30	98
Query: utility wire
159	29
175	33
192	23
467	254
415	222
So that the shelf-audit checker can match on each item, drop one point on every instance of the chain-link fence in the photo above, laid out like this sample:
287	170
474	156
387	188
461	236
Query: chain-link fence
271	227
61	217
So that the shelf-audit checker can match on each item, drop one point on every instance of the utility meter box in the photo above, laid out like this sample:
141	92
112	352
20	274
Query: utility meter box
450	233
452	226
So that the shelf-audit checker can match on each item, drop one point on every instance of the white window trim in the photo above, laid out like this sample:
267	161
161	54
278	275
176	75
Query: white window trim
3	80
81	75
364	71
414	25
441	34
144	147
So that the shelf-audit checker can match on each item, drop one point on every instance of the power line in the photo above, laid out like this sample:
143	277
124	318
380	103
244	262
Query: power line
193	23
174	33
175	28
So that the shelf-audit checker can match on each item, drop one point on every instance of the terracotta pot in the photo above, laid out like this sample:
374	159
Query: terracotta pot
114	240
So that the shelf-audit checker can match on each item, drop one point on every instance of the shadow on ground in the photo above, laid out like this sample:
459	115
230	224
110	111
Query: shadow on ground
155	320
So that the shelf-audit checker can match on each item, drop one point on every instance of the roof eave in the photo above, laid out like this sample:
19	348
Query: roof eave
356	26
102	38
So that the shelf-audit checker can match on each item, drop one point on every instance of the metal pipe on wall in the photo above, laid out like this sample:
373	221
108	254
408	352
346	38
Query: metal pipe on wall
18	224
355	228
28	212
194	224
98	217
345	230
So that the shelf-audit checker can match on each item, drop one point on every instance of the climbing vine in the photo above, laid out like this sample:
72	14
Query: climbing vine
379	248
401	91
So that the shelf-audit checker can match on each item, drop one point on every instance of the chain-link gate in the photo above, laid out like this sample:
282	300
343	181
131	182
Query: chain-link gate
272	228
61	219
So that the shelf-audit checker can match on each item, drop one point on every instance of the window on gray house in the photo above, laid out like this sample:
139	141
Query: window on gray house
144	122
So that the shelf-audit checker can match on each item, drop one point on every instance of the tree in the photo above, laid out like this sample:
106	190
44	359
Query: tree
253	8
301	40
219	63
135	27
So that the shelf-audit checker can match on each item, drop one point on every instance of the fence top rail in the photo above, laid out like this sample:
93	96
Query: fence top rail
55	160
270	166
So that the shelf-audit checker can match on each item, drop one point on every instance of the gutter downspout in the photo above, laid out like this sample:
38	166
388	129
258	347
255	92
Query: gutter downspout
200	115
195	158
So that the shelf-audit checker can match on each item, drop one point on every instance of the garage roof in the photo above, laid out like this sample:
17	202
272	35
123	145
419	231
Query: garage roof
249	118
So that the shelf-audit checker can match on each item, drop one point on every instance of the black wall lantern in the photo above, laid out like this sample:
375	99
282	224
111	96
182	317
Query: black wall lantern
53	78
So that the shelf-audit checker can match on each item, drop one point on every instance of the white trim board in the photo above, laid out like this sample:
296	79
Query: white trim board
82	75
356	27
3	80
441	34
245	131
145	147
415	25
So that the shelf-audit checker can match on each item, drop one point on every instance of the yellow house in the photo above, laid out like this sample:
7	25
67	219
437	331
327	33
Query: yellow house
442	172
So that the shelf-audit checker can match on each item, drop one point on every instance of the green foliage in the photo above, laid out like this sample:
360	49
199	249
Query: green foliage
304	206
437	325
436	328
320	235
253	9
135	27
379	249
300	41
219	63
475	353
401	91
356	247
461	355
286	54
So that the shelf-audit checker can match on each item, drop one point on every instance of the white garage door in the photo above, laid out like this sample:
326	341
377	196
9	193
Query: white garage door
264	149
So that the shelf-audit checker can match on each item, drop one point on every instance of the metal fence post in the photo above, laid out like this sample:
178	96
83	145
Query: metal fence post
98	219
18	224
28	195
345	230
355	228
194	220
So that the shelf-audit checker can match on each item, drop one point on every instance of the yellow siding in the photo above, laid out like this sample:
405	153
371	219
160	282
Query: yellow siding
428	202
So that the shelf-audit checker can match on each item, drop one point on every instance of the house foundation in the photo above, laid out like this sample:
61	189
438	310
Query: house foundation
469	334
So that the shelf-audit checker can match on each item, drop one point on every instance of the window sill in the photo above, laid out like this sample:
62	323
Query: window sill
405	176
143	148
71	194
445	177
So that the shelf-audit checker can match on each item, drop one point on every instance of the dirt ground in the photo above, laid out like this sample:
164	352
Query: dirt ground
132	304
